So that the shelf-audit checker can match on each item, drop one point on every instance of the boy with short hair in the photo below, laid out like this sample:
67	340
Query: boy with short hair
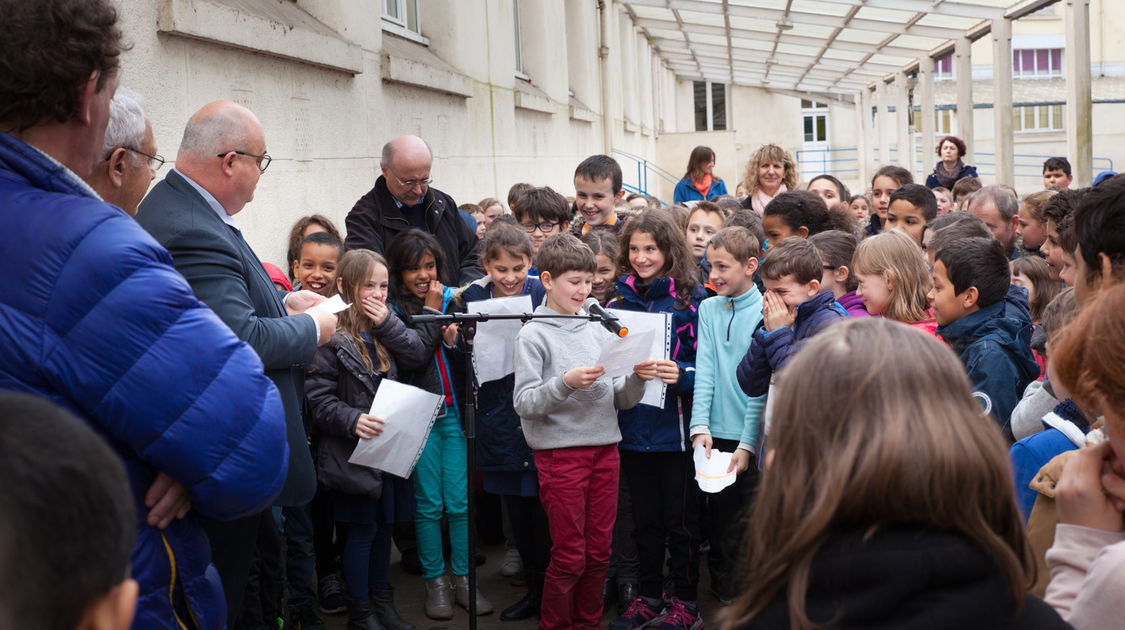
315	266
1056	172
542	213
962	188
794	310
69	522
1099	229
568	412
725	418
912	207
597	189
1055	212
971	280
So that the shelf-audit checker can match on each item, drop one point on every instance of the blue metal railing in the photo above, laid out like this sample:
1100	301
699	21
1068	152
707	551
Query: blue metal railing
642	168
844	162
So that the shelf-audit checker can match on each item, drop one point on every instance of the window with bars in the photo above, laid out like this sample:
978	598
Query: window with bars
1037	63
1031	118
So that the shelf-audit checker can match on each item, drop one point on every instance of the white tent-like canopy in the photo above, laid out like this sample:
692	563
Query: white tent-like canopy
849	50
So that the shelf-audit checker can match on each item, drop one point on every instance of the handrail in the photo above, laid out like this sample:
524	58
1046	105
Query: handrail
643	169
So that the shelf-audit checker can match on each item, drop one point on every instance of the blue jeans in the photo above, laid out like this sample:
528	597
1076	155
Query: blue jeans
441	486
366	561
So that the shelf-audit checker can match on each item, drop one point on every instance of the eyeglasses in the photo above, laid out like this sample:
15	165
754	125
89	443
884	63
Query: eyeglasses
543	227
154	161
410	183
263	160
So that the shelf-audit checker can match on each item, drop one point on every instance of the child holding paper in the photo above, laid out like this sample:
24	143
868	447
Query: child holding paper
724	417
662	277
503	456
568	412
370	345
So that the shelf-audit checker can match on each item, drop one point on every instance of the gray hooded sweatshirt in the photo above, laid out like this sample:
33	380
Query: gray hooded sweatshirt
553	414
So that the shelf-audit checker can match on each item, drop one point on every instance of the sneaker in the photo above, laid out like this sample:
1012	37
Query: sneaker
331	595
680	616
641	613
512	563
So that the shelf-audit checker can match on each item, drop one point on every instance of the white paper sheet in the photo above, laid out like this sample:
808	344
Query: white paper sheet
661	325
619	355
494	344
711	474
409	413
333	305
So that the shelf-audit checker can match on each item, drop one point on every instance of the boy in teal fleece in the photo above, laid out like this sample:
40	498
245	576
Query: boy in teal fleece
724	417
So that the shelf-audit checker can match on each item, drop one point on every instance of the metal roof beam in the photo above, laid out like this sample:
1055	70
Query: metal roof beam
938	7
763	13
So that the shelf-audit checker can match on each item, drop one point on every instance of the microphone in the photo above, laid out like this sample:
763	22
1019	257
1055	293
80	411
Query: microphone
608	320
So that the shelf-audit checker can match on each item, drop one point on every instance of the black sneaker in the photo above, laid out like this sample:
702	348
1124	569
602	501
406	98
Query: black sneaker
305	620
331	595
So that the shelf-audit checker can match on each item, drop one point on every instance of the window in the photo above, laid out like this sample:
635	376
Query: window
815	117
1031	118
710	106
1037	63
401	17
943	68
943	122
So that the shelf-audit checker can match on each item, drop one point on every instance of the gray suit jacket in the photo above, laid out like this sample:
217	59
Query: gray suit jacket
227	276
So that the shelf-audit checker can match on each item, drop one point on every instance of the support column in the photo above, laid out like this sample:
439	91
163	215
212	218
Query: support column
883	123
902	121
1077	118
926	96
963	74
863	140
1002	100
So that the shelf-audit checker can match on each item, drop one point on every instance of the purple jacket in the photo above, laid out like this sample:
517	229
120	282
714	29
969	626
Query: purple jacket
853	304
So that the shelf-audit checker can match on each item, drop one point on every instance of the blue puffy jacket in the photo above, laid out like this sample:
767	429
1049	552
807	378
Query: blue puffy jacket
770	351
646	428
997	356
1064	429
94	317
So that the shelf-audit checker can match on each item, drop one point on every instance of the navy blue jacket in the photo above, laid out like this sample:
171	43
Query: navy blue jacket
500	442
651	429
997	356
94	317
770	351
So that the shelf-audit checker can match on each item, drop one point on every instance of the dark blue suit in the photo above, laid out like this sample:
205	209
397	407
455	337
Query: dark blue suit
225	274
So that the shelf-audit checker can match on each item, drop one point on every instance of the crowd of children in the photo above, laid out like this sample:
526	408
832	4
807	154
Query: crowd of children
871	487
598	487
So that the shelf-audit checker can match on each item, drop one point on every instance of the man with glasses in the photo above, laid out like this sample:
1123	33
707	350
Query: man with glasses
129	160
402	199
191	212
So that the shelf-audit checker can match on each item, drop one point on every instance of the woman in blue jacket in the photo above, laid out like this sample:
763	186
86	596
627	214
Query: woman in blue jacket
698	183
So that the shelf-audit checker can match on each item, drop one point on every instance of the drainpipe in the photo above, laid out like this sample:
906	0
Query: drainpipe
603	66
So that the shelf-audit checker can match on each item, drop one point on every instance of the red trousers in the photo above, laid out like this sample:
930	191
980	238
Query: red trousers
578	488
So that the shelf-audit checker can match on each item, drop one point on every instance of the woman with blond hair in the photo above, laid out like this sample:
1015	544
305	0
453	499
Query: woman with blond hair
770	172
887	500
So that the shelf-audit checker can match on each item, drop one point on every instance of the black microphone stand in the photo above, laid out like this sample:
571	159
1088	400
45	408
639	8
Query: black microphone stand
467	323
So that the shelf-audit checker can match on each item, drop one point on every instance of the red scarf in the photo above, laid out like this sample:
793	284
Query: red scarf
704	185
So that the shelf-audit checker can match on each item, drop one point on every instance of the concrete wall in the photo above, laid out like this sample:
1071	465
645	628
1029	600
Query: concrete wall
331	86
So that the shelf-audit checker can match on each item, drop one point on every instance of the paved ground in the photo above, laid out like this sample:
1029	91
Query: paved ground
410	597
